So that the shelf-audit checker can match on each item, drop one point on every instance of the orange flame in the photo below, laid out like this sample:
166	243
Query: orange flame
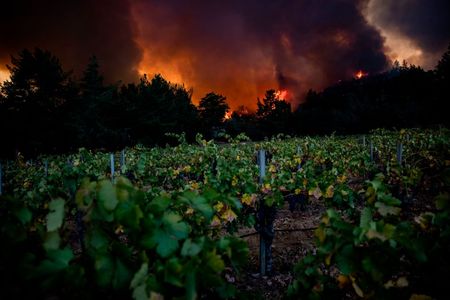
228	115
360	74
281	94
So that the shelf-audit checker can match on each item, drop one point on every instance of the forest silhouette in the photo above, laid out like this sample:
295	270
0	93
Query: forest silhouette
45	109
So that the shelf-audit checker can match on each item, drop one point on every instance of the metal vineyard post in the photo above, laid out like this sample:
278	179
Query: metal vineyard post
112	166
262	241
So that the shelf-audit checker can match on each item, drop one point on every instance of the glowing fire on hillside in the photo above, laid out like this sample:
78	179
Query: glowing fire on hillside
281	94
360	74
228	115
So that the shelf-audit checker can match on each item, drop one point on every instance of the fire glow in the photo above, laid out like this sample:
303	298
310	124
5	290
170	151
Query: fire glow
281	94
360	74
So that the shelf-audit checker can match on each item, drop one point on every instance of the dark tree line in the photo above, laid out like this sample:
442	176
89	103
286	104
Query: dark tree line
44	109
405	96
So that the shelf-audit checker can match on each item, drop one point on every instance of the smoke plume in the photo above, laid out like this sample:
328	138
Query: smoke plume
73	30
235	48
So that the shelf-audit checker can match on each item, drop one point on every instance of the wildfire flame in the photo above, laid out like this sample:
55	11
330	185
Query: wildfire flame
281	94
360	74
228	115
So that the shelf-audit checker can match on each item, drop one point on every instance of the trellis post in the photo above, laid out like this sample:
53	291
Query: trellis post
371	151
112	166
399	153
262	240
122	159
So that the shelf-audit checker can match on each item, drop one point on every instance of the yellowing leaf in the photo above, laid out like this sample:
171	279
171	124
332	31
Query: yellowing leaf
229	215
385	210
194	185
341	179
189	211
372	234
328	259
298	191
357	289
317	193
219	206
215	221
401	282
320	234
330	192
249	199
343	281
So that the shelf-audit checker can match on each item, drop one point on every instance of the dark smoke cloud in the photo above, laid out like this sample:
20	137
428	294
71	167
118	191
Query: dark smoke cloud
73	30
234	47
241	48
427	22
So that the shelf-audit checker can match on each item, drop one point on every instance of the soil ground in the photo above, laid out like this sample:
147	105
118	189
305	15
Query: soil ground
294	237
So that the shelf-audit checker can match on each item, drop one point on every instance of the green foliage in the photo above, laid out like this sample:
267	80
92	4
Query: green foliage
143	235
147	245
379	256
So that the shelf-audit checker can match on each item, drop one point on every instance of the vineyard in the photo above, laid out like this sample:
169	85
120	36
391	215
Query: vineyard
179	222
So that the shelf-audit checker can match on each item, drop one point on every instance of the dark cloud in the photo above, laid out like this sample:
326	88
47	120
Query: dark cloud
240	48
427	22
237	48
73	30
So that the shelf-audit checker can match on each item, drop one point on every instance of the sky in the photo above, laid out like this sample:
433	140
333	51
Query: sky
235	48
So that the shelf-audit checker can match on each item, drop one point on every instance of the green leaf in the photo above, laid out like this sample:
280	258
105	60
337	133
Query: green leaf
24	215
201	205
56	215
104	265
140	292
215	262
57	260
128	214
172	272
385	210
190	248
191	289
376	183
442	201
227	291
121	275
107	195
98	240
166	244
52	241
366	218
148	241
160	204
371	267
345	259
388	199
174	226
140	276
